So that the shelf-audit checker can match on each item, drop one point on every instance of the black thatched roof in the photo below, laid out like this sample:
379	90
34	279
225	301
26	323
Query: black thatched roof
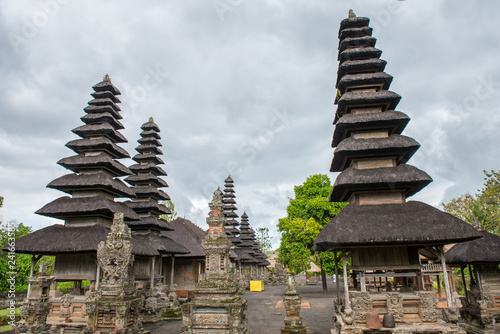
106	94
411	223
362	79
162	244
150	125
59	239
102	117
80	163
101	129
150	222
353	22
483	250
242	255
187	234
148	157
148	148
91	181
100	144
386	99
355	32
106	85
152	192
229	180
149	140
148	206
150	133
359	41
104	102
148	167
95	109
402	177
393	121
402	147
80	207
359	53
146	179
360	65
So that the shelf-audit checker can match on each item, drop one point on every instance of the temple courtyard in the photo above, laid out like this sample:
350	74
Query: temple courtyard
264	317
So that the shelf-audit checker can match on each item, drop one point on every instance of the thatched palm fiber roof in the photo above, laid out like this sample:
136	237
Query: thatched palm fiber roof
79	207
411	223
402	177
91	181
102	161
59	239
187	234
402	147
99	144
394	121
483	250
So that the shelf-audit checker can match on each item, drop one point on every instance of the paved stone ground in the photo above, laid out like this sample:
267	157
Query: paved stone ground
264	318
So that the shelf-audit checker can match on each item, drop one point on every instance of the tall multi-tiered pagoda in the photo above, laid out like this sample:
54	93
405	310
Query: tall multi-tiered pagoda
87	214
380	228
228	199
151	271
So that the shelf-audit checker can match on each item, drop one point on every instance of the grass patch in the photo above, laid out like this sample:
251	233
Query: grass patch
5	328
4	320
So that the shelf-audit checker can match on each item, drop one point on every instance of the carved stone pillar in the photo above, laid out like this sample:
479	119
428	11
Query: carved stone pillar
292	300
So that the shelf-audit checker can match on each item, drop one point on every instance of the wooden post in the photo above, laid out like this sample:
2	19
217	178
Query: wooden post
199	269
337	282
346	285
362	279
447	290
465	283
172	272
153	260
97	277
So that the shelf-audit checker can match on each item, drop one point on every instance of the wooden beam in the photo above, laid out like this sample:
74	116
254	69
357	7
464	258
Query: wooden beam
153	260
465	283
172	271
346	285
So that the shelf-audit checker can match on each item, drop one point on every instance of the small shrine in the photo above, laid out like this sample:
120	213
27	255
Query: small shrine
115	307
380	232
292	302
217	307
481	304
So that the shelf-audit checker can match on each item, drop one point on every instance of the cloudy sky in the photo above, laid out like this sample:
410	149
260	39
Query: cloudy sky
241	87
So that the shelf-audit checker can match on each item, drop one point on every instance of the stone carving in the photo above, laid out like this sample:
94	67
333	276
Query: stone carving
361	305
395	306
428	306
115	254
292	300
115	306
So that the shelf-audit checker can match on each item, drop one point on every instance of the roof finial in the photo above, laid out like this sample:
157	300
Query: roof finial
106	78
151	119
351	15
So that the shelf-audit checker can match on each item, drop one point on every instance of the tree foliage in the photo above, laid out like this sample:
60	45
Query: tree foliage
264	239
17	265
173	214
307	213
483	207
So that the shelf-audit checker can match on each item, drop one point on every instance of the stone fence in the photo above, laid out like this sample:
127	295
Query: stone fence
19	297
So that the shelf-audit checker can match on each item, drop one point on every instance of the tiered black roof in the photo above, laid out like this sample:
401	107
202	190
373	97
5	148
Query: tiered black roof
483	250
94	184
371	156
146	181
228	200
248	243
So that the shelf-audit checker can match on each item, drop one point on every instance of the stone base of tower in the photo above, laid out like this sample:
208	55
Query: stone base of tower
413	313
226	317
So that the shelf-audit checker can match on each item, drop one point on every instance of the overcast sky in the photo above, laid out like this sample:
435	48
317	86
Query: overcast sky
241	87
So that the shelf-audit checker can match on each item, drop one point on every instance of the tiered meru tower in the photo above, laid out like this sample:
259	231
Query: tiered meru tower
381	229
94	183
228	200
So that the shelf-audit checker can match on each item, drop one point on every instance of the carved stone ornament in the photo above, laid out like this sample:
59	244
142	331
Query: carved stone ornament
115	254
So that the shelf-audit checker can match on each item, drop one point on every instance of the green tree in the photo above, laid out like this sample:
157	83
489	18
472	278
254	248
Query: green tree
264	239
11	263
307	213
1	201
169	204
483	207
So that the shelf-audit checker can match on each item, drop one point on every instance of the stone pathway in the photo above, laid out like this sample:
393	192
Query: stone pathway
265	318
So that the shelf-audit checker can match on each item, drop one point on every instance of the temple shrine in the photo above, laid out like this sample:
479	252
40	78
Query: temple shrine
380	231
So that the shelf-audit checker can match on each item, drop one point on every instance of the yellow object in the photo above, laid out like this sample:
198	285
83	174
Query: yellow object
256	285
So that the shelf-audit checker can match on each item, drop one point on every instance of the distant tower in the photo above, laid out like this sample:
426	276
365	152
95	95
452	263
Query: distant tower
228	198
217	306
146	182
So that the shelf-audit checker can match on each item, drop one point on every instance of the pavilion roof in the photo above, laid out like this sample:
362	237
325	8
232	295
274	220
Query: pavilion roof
483	250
